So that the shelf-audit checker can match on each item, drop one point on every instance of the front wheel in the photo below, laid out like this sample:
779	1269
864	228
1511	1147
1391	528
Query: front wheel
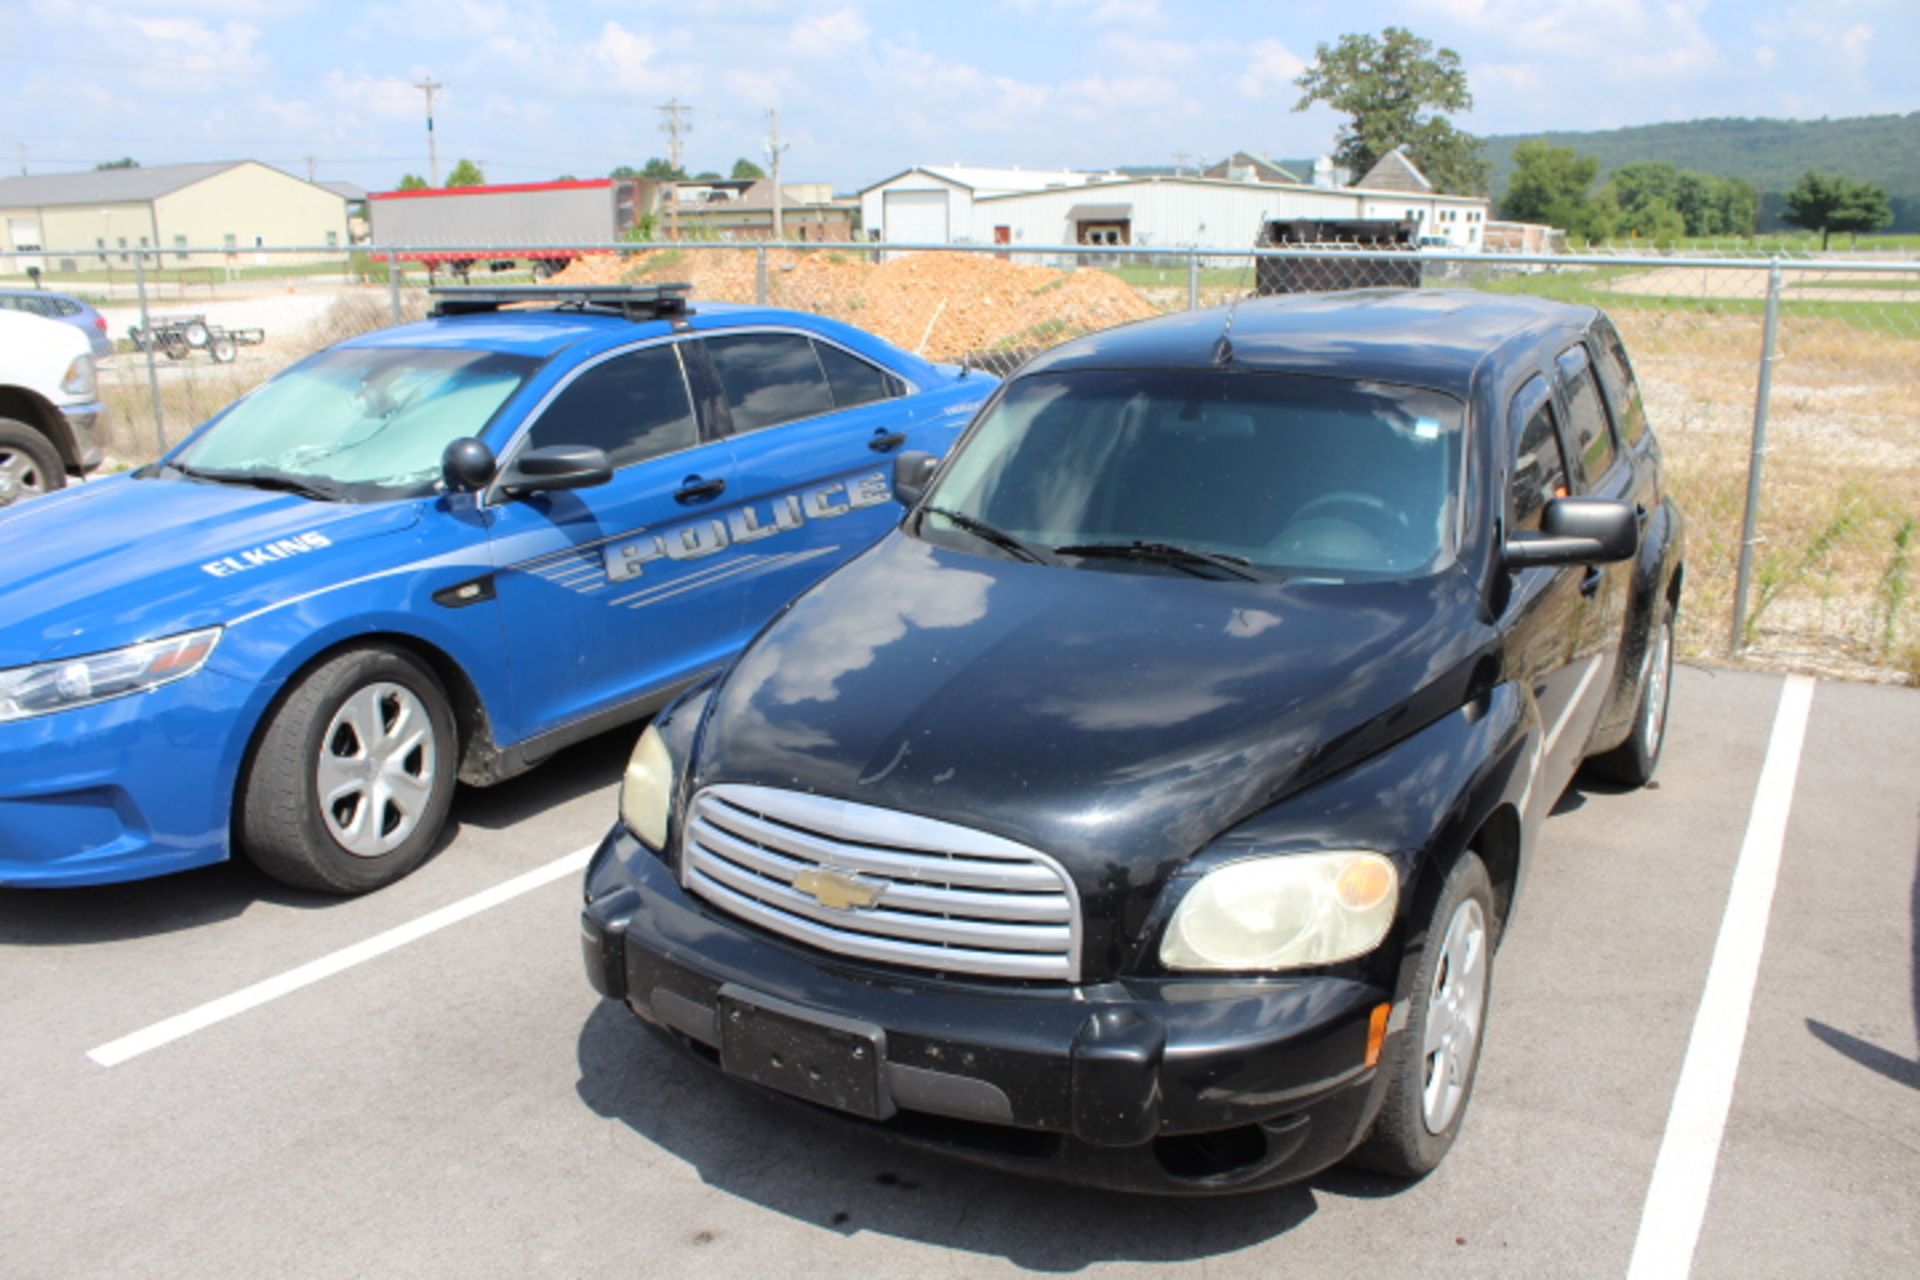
1432	1062
29	464
1633	762
353	776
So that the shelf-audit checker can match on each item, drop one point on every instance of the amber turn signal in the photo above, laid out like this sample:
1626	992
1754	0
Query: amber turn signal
1377	1032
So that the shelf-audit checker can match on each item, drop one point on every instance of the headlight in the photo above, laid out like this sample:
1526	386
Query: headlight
79	377
646	792
95	677
1284	911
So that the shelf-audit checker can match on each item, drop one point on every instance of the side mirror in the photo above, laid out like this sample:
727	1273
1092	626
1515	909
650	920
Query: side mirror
557	466
911	471
468	465
1578	531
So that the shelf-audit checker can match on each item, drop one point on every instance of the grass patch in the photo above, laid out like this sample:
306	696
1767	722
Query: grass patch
1143	276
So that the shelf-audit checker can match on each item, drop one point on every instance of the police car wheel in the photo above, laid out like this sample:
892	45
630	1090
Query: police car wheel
352	777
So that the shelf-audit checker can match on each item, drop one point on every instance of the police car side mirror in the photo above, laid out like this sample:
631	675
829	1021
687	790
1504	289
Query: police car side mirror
557	466
911	471
468	465
1578	531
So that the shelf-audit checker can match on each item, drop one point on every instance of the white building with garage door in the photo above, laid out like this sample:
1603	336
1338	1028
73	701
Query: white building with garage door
930	204
1031	207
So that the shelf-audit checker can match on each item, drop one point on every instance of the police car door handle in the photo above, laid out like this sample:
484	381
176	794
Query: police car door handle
885	441
694	489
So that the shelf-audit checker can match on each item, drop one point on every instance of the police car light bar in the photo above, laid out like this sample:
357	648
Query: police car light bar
632	301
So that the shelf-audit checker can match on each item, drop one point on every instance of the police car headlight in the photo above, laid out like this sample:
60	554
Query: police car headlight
1285	911
96	677
646	793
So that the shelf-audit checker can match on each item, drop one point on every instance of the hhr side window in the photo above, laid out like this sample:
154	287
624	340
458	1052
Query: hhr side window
1591	438
1539	469
1616	375
634	406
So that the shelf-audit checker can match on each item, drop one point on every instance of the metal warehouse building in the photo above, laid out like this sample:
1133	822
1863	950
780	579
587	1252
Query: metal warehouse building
955	206
72	221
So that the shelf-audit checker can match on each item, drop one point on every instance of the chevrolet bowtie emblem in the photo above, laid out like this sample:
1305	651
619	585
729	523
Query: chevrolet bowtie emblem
840	890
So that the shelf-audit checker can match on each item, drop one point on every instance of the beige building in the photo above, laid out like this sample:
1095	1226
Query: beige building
83	221
808	211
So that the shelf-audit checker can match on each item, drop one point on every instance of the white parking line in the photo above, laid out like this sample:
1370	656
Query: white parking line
1683	1171
115	1052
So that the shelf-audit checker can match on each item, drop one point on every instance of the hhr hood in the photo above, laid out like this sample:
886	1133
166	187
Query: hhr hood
1117	720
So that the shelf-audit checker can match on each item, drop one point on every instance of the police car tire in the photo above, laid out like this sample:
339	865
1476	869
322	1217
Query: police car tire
18	437
282	829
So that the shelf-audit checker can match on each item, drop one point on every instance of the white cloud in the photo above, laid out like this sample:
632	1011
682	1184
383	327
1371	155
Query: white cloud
627	57
829	35
1271	68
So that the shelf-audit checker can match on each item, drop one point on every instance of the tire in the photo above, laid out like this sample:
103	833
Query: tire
195	334
1429	1086
1632	763
29	463
221	347
313	812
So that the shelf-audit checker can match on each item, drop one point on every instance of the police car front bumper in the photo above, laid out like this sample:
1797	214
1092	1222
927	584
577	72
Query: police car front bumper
124	789
1171	1087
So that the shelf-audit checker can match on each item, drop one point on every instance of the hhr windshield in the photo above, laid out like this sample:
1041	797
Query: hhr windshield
1284	474
378	417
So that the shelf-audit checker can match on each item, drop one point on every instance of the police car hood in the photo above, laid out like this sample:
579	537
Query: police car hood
117	561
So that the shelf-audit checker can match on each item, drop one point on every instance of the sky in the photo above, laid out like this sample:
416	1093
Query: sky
535	89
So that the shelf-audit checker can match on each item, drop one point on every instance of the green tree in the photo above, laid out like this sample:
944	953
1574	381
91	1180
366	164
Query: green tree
1651	219
466	174
124	162
412	182
1390	89
1830	202
624	173
744	168
707	175
566	177
664	170
1554	185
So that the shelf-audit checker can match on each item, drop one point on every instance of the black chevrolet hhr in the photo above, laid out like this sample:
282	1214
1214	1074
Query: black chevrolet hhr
1146	808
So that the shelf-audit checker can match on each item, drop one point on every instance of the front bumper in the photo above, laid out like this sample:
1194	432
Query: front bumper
1167	1086
88	423
125	789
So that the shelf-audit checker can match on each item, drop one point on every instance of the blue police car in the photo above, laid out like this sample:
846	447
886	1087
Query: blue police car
440	551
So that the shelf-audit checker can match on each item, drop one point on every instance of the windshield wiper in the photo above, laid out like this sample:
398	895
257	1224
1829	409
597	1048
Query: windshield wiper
287	481
1168	553
990	533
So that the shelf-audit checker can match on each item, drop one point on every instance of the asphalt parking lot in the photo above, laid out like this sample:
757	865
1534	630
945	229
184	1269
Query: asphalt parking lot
441	1094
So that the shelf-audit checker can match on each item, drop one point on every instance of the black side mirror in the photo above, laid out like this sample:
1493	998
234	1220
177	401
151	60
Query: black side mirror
1578	531
468	465
557	466
911	471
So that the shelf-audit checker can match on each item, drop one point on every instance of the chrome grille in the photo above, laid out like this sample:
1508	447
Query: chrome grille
945	897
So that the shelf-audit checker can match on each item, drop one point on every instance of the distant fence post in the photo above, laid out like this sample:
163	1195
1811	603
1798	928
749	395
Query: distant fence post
146	341
393	284
1193	282
1769	336
760	274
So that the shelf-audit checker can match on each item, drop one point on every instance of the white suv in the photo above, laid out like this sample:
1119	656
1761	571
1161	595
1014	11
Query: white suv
50	412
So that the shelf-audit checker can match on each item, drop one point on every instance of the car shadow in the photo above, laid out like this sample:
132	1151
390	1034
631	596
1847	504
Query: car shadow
795	1162
1894	1066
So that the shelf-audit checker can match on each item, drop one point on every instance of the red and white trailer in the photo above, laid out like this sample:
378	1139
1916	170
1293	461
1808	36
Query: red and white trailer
444	226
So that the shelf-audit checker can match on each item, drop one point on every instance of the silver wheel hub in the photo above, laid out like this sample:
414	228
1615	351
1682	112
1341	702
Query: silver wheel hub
375	773
19	477
1658	673
1456	1009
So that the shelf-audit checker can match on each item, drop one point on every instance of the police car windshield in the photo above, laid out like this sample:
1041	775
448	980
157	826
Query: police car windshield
378	417
1157	471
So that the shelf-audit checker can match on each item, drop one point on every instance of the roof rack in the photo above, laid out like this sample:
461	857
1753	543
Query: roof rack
630	301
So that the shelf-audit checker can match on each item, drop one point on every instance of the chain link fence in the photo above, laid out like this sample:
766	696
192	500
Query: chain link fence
1831	535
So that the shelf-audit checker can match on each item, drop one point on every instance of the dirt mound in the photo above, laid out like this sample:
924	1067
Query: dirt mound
943	305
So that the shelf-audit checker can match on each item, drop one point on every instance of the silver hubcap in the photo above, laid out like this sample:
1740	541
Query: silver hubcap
375	774
19	477
1456	1007
1657	675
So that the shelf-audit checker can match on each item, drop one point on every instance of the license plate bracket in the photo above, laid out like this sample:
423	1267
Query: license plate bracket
820	1057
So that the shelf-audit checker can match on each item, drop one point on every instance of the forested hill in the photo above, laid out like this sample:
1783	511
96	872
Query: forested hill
1771	154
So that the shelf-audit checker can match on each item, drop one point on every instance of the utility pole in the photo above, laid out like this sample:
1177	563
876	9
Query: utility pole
775	149
428	87
22	147
309	168
675	123
1180	159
